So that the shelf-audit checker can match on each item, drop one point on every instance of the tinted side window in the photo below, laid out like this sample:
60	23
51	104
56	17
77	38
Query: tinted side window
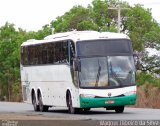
64	52
51	51
47	53
57	52
32	55
61	52
24	55
44	54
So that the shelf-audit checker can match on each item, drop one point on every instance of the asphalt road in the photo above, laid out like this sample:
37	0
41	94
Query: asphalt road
23	111
93	114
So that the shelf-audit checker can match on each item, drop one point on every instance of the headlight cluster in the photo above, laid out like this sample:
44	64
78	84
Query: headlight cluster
87	95
130	93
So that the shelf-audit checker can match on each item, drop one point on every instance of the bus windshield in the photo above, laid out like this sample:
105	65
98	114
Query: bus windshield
106	72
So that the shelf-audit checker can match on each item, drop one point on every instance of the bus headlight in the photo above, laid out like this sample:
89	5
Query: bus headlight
87	96
130	93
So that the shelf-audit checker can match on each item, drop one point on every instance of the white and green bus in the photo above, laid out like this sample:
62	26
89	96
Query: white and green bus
79	70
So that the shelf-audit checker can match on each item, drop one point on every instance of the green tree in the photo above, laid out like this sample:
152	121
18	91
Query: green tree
137	22
71	19
9	70
45	31
144	32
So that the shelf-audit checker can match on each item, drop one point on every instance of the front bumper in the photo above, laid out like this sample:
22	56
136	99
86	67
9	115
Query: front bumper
102	102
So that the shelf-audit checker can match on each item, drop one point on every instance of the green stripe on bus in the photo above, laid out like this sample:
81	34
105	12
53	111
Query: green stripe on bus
112	101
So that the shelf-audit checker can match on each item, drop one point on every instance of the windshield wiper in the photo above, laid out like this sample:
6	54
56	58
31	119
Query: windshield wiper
98	74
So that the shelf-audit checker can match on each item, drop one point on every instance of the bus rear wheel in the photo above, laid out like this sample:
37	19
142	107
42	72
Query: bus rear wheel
71	109
34	103
119	109
42	107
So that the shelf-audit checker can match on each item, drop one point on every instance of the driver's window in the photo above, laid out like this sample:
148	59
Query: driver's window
71	51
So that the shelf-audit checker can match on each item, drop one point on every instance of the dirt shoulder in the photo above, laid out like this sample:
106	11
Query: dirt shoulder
21	116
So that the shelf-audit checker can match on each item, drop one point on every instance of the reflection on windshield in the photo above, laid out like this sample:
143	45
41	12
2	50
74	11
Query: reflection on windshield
94	72
107	71
121	70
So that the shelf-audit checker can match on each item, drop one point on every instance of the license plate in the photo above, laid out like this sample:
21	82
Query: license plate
109	102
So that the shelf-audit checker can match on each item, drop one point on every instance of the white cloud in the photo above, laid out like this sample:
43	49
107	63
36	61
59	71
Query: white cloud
33	14
152	51
154	5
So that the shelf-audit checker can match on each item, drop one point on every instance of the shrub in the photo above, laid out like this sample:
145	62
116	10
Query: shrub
144	77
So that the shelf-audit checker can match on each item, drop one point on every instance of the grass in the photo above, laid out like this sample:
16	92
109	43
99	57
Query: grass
148	91
148	96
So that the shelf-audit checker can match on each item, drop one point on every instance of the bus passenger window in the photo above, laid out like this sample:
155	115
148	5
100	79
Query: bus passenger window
64	52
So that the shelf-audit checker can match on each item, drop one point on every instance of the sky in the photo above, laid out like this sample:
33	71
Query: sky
31	15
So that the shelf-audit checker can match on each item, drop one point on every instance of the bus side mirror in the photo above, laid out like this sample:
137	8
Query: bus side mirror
135	55
77	65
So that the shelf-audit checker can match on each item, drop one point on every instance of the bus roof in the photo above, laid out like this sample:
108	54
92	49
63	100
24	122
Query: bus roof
77	36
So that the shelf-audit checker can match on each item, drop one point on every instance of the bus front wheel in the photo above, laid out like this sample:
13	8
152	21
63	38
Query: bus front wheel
119	109
71	109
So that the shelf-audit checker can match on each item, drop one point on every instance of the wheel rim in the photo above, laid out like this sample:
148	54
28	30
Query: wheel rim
34	102
70	103
40	103
71	109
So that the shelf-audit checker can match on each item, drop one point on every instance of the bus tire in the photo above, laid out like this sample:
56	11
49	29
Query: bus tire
42	107
71	109
34	103
119	109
